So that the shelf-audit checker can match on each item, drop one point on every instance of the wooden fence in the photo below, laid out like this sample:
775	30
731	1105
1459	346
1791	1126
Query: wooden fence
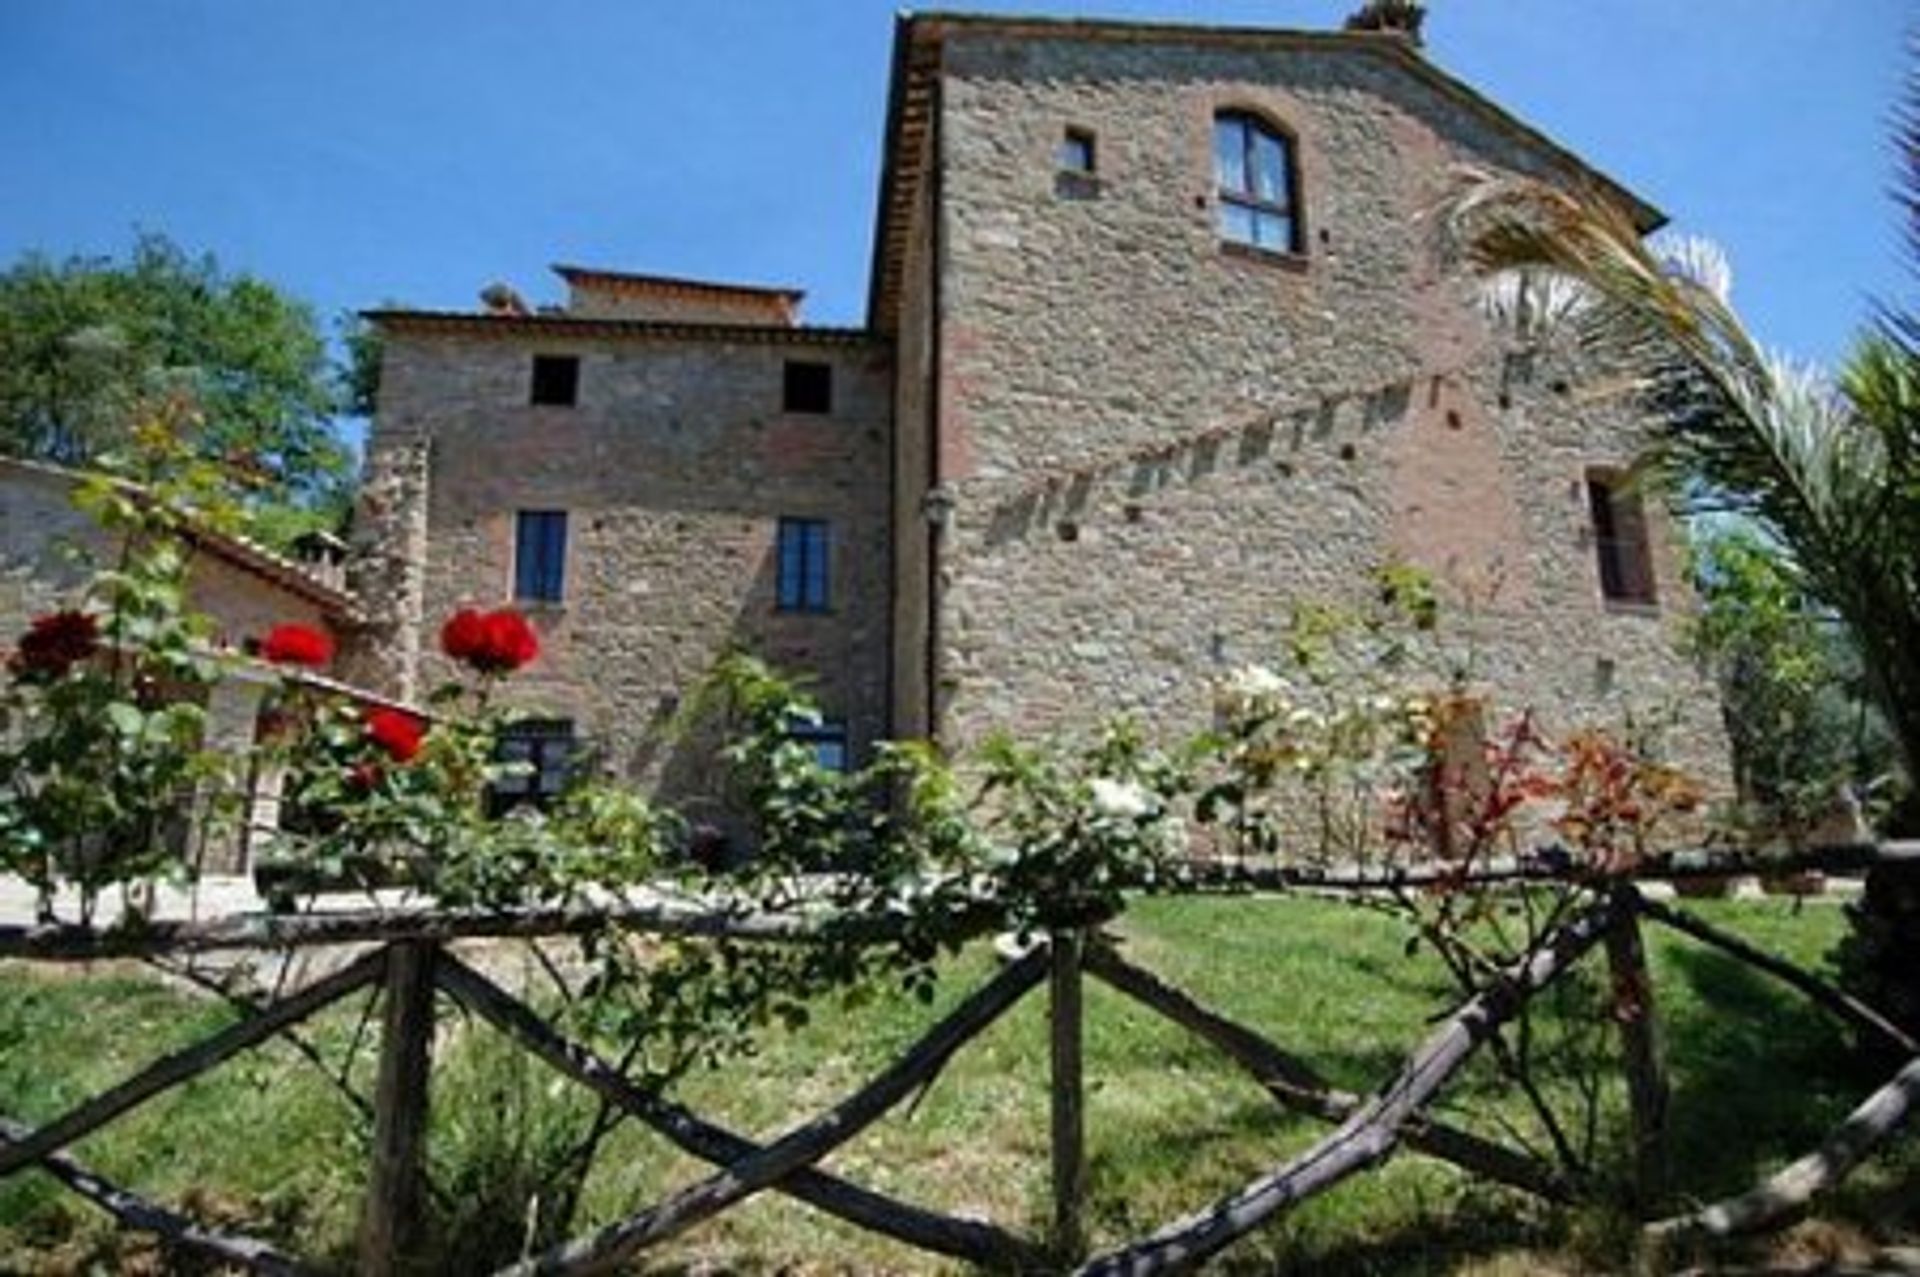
412	966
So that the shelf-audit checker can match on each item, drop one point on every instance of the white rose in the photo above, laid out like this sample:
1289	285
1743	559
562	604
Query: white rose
1120	798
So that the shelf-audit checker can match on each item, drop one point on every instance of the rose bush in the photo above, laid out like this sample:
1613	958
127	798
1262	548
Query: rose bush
102	767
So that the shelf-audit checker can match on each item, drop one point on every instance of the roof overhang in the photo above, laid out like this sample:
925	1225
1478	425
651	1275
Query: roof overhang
618	281
240	552
465	323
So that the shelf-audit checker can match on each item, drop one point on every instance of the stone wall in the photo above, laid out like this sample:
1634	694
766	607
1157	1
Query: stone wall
596	300
1160	444
387	563
914	527
673	468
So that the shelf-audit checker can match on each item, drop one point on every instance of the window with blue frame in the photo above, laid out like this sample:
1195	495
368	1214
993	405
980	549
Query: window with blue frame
803	573
540	556
1258	184
828	740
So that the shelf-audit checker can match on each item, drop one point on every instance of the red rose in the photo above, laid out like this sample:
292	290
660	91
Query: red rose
491	642
54	644
396	731
511	641
295	644
464	634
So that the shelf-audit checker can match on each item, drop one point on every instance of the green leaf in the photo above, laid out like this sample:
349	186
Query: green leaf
127	720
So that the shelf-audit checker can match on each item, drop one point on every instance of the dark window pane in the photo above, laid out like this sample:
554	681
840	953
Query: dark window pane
540	556
1076	152
808	387
1600	503
1622	549
816	574
544	750
792	559
556	380
828	740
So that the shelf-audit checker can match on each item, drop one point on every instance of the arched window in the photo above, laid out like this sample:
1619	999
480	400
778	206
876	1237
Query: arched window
1253	168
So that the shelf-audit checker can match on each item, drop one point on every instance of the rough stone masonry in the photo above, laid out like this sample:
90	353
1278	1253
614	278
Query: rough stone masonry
1088	449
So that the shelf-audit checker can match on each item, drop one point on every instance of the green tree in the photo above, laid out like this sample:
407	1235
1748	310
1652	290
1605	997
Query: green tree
89	345
1789	685
360	375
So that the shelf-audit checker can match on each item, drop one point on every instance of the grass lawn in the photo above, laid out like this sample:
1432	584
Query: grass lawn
266	1143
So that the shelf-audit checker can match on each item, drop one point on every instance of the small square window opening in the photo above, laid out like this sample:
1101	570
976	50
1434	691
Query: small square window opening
808	387
556	381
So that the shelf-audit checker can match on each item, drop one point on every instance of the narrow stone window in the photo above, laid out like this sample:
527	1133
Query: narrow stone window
1620	542
1257	185
802	569
1076	153
556	381
540	556
542	751
808	387
827	739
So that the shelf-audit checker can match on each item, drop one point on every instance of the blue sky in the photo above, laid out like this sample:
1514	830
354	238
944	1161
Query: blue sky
357	151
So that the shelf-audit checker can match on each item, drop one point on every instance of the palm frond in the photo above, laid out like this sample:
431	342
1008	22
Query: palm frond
1697	259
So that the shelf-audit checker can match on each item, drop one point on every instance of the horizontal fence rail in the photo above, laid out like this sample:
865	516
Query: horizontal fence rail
54	942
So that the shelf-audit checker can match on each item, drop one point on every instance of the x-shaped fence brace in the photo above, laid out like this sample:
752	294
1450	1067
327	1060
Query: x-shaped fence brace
1366	1129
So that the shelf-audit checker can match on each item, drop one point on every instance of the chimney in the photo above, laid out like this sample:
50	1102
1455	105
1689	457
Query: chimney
1402	18
502	299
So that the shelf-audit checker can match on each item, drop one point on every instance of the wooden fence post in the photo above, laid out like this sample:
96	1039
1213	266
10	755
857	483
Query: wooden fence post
390	1223
1634	1011
1069	1118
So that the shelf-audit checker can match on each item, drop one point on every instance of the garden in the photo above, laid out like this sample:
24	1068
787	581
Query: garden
1369	974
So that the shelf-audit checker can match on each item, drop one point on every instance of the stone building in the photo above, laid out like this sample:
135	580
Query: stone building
1162	340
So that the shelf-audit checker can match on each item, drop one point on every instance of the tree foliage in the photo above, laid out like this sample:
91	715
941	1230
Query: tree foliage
90	345
360	376
1790	686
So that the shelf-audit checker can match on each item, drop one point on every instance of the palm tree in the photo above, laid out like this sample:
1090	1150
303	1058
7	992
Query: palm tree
1830	471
